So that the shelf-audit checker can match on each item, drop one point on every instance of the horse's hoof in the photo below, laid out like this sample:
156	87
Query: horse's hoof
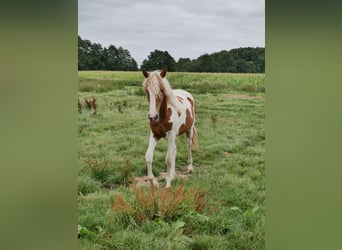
155	183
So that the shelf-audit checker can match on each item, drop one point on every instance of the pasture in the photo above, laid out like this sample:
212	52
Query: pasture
229	164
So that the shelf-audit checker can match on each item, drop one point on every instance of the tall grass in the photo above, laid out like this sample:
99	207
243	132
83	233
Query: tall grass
200	83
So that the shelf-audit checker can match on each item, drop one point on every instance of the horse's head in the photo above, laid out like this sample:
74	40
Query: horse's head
155	91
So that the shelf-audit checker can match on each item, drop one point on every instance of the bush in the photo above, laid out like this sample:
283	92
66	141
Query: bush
160	204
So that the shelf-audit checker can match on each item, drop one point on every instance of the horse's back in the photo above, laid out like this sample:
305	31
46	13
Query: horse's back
182	93
185	118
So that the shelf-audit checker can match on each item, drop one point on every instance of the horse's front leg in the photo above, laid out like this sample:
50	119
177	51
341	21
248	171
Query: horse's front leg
149	158
171	158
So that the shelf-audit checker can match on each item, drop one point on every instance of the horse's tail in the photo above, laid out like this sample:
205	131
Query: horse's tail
194	138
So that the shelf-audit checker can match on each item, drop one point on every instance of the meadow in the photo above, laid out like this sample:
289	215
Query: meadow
229	166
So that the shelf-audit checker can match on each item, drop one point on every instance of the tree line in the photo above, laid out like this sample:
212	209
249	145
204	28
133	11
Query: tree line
92	56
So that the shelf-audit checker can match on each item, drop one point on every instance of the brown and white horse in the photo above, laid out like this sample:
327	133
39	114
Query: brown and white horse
172	113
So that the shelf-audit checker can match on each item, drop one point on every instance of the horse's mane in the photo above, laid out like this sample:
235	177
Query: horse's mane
155	83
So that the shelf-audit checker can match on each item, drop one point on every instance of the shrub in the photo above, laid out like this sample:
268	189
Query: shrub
89	103
167	204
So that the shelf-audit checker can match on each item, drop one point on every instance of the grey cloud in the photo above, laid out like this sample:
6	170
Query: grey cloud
184	28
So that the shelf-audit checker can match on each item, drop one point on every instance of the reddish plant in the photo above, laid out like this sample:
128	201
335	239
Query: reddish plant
161	203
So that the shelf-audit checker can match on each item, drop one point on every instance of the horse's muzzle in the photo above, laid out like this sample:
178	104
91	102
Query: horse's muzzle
152	118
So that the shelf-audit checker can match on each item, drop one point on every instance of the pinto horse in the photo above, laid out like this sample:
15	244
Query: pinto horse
172	113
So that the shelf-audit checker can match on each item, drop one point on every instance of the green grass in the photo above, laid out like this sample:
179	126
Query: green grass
196	83
229	163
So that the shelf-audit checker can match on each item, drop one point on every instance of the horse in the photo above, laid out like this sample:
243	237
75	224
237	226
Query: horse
172	113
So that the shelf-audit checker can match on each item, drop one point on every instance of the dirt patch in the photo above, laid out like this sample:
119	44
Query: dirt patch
241	96
181	173
227	154
140	182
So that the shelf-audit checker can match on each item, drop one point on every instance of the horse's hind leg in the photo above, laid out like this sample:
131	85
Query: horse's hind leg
149	158
189	135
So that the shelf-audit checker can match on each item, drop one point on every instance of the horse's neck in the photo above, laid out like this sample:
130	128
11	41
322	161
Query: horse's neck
163	107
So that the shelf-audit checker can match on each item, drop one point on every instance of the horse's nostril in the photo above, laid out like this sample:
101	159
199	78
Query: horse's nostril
150	117
154	118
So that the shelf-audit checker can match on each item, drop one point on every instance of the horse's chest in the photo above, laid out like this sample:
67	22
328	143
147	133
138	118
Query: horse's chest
164	125
160	129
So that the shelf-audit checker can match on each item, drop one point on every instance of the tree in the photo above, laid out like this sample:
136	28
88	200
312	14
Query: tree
204	63
125	61
92	56
84	49
111	58
243	66
240	60
97	57
182	64
158	60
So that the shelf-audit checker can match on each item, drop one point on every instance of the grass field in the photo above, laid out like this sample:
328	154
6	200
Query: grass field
228	165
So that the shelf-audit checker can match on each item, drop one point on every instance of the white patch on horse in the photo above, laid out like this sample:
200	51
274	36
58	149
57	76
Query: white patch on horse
153	111
186	105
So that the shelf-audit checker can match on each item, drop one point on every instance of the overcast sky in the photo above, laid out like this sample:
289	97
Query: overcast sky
185	28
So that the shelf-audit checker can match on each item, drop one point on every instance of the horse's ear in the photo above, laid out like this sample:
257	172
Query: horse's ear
145	73
163	73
